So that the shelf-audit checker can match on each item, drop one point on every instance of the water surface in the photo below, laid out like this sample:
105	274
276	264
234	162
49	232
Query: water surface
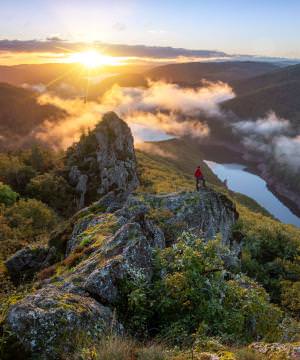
240	180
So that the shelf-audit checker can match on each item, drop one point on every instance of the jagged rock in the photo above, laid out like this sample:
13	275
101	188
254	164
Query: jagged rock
27	261
104	160
47	322
205	213
130	253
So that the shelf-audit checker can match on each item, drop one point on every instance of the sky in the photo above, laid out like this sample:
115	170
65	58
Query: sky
256	27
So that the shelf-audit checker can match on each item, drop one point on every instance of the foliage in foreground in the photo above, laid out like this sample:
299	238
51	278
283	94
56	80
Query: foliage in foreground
271	255
124	348
193	297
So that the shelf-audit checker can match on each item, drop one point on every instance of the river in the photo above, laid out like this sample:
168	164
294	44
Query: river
240	180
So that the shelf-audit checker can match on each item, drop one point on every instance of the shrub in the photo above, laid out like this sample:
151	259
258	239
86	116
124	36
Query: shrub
190	299
7	195
40	158
47	272
271	253
15	173
73	259
30	218
290	296
52	190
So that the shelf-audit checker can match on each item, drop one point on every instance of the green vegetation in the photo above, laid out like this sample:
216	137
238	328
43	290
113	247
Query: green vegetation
271	255
53	190
157	175
124	348
25	222
7	195
197	298
35	173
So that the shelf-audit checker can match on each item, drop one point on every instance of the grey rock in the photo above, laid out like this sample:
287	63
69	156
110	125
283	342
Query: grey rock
47	322
205	213
129	255
27	261
103	161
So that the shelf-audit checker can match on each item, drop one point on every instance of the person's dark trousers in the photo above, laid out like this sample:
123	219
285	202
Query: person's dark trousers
198	179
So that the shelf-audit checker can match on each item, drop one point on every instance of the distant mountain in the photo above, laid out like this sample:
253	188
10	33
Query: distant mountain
55	74
278	90
37	73
194	72
71	79
20	112
187	74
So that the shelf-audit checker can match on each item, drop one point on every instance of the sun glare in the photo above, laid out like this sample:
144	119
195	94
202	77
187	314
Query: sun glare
92	59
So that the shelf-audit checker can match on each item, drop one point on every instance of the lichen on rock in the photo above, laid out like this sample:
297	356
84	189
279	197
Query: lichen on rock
47	322
103	160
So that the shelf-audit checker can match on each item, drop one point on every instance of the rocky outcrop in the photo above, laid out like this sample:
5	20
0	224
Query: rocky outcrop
27	261
205	213
112	241
130	256
103	160
45	321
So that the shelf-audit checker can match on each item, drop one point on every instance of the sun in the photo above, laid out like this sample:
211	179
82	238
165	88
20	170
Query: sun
92	59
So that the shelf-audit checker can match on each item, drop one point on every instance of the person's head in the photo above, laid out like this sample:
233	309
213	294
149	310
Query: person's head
198	167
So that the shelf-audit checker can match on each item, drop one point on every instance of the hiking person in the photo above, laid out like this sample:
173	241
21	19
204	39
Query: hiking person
199	177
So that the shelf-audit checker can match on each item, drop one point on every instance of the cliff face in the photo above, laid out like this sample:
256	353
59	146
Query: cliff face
103	160
112	240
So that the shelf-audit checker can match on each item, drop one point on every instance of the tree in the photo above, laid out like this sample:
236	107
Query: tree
53	190
15	173
40	158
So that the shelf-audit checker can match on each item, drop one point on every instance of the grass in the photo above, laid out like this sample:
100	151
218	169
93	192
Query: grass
159	174
123	348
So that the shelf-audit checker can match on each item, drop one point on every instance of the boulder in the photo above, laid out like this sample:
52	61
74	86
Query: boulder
27	261
277	350
129	255
47	322
205	213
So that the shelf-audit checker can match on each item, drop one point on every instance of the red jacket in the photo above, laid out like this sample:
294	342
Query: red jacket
198	173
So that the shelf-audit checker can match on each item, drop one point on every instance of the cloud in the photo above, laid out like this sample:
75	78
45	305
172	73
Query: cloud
161	96
156	32
158	112
57	45
272	137
268	126
54	38
118	26
287	151
163	126
81	116
154	149
40	88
